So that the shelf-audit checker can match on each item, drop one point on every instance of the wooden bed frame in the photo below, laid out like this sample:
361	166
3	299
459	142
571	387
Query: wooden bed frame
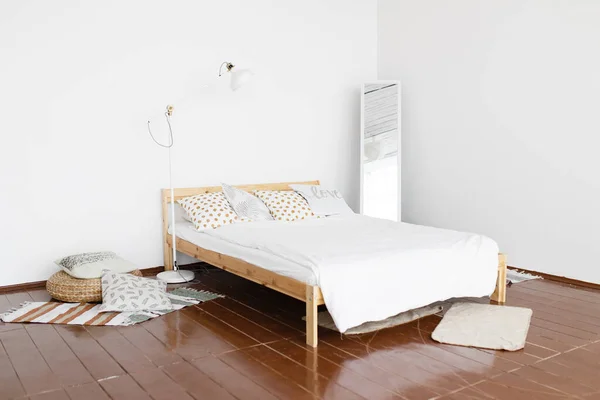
311	295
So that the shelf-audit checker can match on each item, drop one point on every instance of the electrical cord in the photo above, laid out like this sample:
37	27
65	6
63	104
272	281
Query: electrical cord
171	141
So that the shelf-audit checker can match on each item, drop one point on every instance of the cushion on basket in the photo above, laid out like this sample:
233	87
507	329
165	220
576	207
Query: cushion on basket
91	265
64	287
124	292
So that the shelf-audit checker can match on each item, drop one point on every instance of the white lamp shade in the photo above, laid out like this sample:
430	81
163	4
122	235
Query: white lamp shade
240	77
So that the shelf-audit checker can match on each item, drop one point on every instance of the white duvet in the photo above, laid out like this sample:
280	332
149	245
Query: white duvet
369	269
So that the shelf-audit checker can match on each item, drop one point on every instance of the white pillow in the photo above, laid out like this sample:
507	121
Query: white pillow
91	265
246	205
180	214
126	292
322	200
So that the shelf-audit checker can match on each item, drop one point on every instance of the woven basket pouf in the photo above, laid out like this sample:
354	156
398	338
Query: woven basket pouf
64	287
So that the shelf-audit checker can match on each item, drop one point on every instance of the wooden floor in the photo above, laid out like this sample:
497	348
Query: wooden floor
250	345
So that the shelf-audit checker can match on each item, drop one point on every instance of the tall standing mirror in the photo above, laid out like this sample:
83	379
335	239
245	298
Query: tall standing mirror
380	175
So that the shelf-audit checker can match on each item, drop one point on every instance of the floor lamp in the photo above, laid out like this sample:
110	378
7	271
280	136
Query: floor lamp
237	79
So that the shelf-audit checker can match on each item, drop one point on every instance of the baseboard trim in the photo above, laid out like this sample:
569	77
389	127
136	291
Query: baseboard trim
23	287
561	279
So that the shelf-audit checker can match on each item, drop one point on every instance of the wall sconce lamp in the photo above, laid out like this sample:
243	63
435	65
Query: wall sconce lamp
239	77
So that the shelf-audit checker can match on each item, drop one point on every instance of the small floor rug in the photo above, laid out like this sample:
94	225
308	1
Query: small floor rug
484	325
515	276
325	320
88	313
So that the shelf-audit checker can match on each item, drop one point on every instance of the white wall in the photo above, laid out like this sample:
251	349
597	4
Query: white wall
78	171
501	105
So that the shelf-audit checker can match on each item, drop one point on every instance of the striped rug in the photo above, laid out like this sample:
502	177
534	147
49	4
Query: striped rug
88	314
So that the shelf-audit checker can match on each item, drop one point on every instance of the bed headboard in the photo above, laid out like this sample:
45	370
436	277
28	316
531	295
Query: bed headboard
180	193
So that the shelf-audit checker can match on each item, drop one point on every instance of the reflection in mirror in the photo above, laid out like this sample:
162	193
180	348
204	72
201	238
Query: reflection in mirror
380	150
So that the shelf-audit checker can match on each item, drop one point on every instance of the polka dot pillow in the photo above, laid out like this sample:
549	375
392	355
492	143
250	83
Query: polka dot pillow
285	205
208	210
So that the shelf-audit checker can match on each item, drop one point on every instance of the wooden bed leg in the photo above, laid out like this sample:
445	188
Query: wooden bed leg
167	250
168	257
311	316
499	294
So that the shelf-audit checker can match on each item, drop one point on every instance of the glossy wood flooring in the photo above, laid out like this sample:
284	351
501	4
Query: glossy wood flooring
250	345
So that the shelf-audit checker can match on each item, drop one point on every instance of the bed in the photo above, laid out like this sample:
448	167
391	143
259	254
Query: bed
259	258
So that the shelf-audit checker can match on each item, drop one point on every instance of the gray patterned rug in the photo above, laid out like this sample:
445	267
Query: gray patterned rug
516	276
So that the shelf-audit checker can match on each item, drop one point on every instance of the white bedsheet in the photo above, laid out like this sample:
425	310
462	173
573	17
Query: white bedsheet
281	266
369	269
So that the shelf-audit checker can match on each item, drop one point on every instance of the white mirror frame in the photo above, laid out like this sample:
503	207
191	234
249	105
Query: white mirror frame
362	143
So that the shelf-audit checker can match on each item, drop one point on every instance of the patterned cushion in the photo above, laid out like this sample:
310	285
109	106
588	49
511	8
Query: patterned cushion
91	265
285	205
245	205
125	292
208	210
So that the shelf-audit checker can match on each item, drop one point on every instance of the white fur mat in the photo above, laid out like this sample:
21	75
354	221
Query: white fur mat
484	325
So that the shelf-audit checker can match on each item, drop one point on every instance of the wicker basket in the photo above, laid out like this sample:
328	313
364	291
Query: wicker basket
64	287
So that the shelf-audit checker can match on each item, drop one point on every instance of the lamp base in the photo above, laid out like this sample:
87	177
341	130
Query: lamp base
179	276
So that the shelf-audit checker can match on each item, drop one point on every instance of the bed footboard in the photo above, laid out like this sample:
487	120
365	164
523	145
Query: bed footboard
499	294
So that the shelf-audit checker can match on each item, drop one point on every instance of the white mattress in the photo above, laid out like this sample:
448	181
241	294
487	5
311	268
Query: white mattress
185	230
